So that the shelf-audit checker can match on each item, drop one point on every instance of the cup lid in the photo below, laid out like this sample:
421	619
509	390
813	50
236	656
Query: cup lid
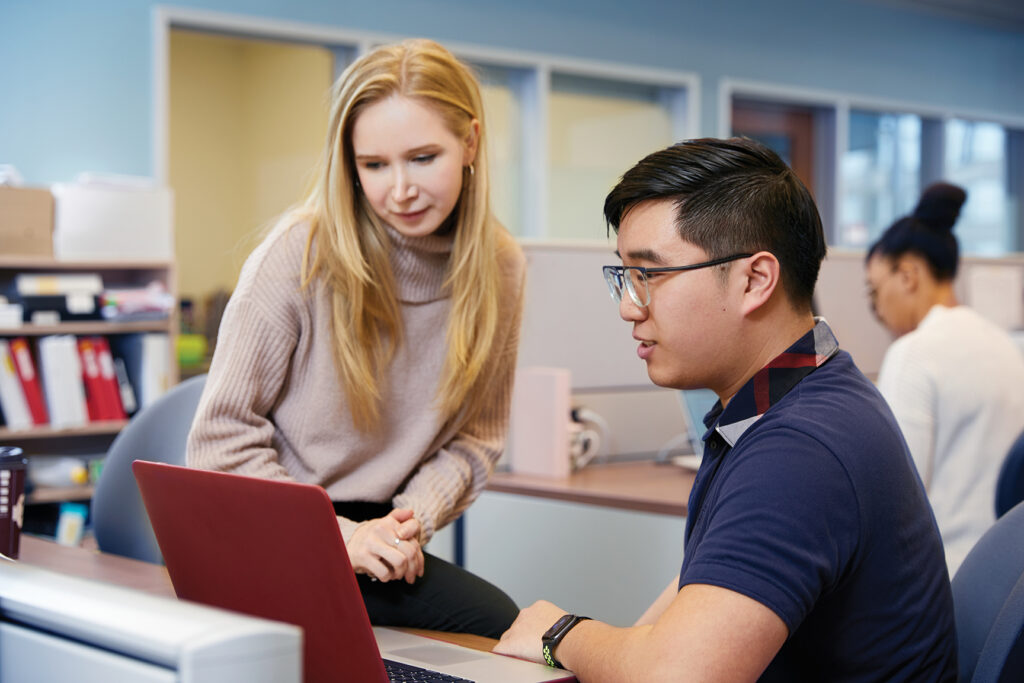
11	453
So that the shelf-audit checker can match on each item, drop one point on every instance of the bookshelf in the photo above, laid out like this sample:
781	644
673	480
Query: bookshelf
60	494
84	328
93	437
102	428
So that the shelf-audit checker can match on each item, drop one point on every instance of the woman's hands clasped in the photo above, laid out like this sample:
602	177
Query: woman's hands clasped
388	548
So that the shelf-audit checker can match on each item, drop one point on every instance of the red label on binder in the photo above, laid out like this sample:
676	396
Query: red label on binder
26	369
94	398
108	379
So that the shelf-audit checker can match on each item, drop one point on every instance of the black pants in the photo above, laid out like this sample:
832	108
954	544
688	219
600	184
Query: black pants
445	598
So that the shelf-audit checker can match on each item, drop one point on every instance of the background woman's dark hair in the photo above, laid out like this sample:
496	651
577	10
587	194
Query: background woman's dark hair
732	196
927	232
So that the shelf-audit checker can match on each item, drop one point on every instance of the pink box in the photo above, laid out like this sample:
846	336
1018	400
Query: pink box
539	431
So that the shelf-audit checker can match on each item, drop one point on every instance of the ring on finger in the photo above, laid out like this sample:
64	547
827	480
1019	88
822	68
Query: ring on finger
398	541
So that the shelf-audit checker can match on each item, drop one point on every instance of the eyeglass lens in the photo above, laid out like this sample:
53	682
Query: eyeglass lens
614	280
634	282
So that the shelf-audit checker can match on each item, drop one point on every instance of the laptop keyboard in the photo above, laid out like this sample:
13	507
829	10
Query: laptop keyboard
407	673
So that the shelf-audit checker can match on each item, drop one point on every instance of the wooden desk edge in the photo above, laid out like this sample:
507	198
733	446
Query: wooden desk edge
642	489
470	640
97	566
600	499
153	579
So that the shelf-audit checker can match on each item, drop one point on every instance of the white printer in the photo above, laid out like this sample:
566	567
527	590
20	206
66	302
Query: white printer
57	628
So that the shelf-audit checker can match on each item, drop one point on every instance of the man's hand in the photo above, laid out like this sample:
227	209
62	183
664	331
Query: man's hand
523	638
388	548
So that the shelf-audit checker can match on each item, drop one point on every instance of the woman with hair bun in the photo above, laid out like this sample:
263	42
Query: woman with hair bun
370	345
954	380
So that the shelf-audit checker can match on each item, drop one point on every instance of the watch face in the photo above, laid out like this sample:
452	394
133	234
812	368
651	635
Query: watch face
559	625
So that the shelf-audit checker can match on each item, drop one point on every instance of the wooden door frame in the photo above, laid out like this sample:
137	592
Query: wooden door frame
795	121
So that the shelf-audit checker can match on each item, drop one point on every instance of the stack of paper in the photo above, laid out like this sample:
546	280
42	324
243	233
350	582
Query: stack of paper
71	296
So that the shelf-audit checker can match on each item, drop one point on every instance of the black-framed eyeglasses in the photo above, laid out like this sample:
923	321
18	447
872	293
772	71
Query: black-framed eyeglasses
634	278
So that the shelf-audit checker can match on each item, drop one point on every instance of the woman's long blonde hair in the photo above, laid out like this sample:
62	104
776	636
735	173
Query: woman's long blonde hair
348	246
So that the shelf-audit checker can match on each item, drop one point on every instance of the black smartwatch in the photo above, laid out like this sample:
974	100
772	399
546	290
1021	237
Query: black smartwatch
553	636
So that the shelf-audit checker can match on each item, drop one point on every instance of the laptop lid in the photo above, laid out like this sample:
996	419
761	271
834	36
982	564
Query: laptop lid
273	549
265	548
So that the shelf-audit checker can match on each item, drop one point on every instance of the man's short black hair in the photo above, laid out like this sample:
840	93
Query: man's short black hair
732	196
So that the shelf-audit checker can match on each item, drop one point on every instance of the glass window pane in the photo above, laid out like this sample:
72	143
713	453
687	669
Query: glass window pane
976	161
500	89
598	129
881	171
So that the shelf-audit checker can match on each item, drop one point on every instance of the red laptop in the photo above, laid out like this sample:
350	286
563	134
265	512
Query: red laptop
273	549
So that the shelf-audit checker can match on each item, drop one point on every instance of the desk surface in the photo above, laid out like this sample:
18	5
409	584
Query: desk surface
153	578
92	564
639	486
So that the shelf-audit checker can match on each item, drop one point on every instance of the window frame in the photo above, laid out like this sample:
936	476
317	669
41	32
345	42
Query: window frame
833	143
682	88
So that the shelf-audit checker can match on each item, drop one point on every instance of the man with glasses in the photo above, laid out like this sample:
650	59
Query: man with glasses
810	550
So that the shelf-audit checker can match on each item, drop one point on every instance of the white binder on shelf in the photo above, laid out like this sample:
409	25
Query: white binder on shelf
156	354
147	359
62	381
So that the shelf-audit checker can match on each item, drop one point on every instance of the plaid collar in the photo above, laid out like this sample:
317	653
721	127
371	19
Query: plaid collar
773	381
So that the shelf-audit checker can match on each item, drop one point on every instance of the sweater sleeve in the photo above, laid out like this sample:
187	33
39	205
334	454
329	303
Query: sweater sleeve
909	389
233	430
450	479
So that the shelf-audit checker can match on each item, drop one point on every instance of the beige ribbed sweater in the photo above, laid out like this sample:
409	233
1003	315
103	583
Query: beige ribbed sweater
273	405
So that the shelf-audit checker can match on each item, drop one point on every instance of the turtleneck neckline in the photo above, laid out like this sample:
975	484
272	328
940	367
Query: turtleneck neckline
419	265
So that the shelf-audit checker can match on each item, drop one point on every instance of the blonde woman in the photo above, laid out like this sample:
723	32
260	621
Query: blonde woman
370	344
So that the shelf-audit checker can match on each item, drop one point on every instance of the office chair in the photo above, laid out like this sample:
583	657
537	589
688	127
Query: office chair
1010	485
988	596
158	433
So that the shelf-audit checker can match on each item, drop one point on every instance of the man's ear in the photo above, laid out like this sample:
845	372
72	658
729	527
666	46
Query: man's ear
761	275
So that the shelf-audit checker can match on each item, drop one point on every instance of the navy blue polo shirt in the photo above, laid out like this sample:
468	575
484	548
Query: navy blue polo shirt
807	501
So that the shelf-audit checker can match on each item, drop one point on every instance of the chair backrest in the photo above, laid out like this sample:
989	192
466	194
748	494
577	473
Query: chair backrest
1002	658
988	594
1010	485
158	433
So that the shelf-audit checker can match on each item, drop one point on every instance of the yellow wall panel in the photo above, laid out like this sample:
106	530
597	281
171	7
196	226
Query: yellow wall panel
247	125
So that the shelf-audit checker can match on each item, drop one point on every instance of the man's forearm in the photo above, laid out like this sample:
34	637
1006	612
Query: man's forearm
597	652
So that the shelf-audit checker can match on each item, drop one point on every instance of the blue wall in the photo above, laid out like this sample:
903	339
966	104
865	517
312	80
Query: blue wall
76	84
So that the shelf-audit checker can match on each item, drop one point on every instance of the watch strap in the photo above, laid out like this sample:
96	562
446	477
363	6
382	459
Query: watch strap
551	640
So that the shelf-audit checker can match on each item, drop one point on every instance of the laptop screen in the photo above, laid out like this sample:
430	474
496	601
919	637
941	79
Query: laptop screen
696	403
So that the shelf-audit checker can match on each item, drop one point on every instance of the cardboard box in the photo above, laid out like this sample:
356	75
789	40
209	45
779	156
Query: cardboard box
26	221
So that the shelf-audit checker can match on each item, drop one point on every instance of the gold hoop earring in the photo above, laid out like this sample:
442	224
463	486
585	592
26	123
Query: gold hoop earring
472	171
